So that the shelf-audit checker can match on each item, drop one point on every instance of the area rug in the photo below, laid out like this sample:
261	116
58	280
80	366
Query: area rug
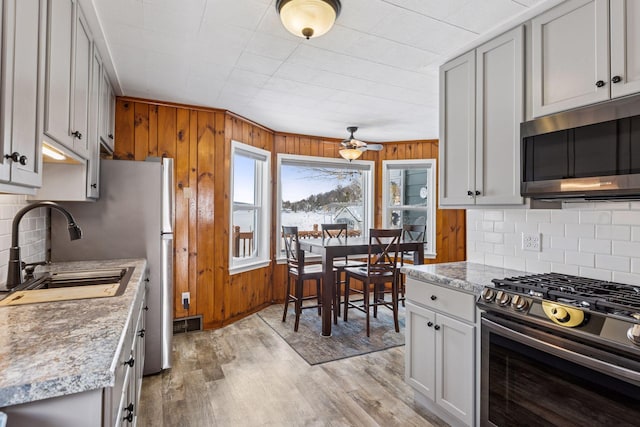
347	339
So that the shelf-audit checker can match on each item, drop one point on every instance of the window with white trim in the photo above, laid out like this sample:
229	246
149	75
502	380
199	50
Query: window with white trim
318	190
250	207
408	197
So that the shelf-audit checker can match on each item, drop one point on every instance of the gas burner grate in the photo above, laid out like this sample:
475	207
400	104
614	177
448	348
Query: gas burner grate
598	295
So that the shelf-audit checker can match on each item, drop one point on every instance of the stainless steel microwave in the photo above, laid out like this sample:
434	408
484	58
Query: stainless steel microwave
590	153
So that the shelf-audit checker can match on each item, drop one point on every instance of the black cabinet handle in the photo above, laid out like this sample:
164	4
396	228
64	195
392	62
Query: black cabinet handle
23	160
110	136
437	327
130	362
94	185
141	333
128	418
600	83
477	193
129	407
146	308
429	324
616	79
469	193
433	297
77	134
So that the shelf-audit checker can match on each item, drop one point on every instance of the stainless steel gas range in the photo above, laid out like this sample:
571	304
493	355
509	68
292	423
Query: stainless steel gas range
560	350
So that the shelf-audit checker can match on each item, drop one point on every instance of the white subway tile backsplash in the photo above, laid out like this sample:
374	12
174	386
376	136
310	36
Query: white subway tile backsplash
579	258
613	232
566	243
526	227
504	250
565	269
494	260
504	227
494	238
565	217
635	265
475	256
613	263
537	266
626	217
484	247
515	215
486	226
553	255
595	246
552	229
538	216
515	263
595	217
596	273
631	249
493	215
580	230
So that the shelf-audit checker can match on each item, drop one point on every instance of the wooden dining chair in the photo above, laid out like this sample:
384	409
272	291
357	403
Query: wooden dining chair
380	270
297	273
410	233
339	231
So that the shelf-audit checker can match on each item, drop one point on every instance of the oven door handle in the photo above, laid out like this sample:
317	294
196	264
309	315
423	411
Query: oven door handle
619	372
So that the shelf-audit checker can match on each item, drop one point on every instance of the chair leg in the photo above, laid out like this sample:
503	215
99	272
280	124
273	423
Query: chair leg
298	303
347	291
394	303
377	295
365	289
402	288
336	297
287	299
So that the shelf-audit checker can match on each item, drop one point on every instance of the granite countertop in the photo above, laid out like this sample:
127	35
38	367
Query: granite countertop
59	348
466	276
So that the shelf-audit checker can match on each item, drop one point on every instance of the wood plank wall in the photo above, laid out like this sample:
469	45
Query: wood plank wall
199	139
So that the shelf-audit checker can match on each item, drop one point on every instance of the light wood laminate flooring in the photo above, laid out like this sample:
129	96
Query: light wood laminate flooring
246	375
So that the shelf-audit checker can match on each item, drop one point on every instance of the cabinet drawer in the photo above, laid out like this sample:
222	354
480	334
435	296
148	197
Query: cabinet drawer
446	300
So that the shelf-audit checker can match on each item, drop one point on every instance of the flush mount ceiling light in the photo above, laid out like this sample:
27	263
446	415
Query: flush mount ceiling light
308	18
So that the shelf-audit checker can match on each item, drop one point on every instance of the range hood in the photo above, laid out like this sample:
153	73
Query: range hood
591	153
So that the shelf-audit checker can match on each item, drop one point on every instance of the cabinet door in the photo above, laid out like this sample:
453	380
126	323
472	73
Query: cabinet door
108	111
455	358
60	27
499	112
93	161
457	131
420	352
82	61
570	66
21	91
625	47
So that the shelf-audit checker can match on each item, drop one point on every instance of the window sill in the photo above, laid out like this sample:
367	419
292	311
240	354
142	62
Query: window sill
249	266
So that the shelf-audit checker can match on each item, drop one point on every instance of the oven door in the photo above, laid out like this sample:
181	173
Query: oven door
531	377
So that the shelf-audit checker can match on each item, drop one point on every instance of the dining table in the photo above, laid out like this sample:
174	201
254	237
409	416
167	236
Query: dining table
333	247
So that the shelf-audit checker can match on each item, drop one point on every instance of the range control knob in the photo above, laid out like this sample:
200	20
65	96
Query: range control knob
519	303
488	294
503	298
634	332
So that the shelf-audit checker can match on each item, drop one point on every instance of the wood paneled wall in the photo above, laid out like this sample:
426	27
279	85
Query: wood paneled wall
199	140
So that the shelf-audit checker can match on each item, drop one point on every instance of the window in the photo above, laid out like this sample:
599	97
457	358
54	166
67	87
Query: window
250	207
408	197
318	190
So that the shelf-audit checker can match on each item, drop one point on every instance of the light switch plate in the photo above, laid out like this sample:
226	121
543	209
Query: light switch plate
531	242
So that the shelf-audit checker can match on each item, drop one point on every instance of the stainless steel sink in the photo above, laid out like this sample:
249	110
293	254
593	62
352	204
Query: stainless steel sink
67	279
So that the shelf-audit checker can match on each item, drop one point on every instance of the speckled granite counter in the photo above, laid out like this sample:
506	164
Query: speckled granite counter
60	348
466	276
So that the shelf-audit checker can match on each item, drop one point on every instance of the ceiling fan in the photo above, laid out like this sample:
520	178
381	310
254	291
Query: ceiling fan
353	147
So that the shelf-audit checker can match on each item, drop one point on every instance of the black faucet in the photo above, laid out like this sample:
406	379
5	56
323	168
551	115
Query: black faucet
14	273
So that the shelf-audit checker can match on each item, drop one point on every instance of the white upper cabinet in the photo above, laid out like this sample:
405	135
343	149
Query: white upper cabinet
23	41
573	63
481	108
625	47
107	112
66	119
95	107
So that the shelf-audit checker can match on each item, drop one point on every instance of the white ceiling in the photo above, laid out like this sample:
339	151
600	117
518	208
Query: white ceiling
376	69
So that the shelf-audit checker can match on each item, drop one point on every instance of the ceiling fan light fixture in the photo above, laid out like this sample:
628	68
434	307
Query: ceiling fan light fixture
350	153
308	18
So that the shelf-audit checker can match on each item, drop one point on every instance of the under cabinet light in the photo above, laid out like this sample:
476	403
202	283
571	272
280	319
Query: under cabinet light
52	153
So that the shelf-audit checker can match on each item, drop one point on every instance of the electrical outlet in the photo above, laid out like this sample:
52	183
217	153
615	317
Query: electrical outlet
531	242
186	300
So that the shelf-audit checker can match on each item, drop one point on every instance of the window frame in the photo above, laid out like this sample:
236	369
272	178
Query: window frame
368	187
263	185
430	250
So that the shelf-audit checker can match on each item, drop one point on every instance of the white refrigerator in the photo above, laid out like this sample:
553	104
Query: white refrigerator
132	219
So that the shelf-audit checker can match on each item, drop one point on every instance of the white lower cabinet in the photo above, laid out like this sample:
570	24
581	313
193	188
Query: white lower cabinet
440	350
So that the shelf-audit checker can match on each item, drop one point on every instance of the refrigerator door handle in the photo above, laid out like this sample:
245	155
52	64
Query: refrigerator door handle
166	277
167	195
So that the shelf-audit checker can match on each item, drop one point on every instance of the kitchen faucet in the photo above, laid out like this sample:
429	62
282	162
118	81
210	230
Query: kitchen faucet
14	272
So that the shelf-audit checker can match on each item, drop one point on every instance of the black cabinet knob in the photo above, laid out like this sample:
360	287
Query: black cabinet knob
23	160
141	333
130	362
110	136
433	297
600	83
15	156
477	193
94	185
128	418
76	134
616	79
469	193
437	327
429	324
146	308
